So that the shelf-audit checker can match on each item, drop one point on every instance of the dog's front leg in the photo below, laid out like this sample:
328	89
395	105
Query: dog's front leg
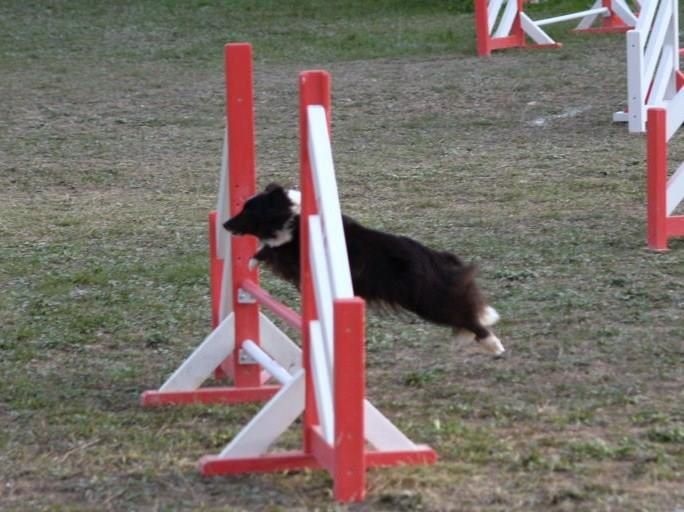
257	257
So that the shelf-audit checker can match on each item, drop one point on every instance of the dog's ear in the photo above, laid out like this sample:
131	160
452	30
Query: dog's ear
272	187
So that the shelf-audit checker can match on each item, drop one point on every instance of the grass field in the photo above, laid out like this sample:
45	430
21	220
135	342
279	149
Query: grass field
111	122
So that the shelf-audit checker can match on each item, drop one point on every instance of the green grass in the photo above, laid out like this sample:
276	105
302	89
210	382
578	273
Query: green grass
194	32
111	123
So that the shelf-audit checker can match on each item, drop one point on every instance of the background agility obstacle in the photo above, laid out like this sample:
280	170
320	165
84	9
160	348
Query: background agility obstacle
653	62
501	24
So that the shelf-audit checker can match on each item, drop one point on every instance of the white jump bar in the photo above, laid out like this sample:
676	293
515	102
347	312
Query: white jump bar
574	15
267	362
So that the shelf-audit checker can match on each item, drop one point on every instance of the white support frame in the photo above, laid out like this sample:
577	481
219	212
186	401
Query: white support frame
493	12
531	28
267	362
325	186
675	190
589	13
216	347
621	8
505	12
506	23
223	246
323	295
199	366
270	422
674	193
323	381
652	63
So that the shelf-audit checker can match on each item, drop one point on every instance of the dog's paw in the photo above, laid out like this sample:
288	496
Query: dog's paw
492	345
295	197
489	316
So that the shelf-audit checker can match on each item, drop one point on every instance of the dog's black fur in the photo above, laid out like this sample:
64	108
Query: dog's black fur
388	269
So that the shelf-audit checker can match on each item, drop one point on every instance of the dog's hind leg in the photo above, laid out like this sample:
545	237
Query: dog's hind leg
492	344
486	339
463	336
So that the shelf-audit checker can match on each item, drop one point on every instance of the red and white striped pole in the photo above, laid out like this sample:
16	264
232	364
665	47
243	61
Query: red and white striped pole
314	89
349	463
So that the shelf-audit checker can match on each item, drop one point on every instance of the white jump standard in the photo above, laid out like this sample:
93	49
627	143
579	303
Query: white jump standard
653	74
504	24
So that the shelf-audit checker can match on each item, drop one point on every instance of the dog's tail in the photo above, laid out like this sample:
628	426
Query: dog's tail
467	276
486	315
471	292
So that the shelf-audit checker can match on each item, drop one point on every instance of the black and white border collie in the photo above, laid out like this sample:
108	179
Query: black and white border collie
394	271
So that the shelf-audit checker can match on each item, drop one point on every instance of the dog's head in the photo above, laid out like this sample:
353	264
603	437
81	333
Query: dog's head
267	215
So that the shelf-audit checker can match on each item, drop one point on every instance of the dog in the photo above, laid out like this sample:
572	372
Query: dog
386	269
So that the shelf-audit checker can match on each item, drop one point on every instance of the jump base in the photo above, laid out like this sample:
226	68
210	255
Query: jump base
225	395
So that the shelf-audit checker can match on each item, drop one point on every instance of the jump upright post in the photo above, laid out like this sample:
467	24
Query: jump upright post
324	381
501	24
664	194
235	313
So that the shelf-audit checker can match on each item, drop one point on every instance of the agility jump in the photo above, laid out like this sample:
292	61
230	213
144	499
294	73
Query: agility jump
324	381
653	74
501	24
655	99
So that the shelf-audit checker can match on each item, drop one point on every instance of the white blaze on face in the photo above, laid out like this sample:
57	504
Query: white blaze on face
284	235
